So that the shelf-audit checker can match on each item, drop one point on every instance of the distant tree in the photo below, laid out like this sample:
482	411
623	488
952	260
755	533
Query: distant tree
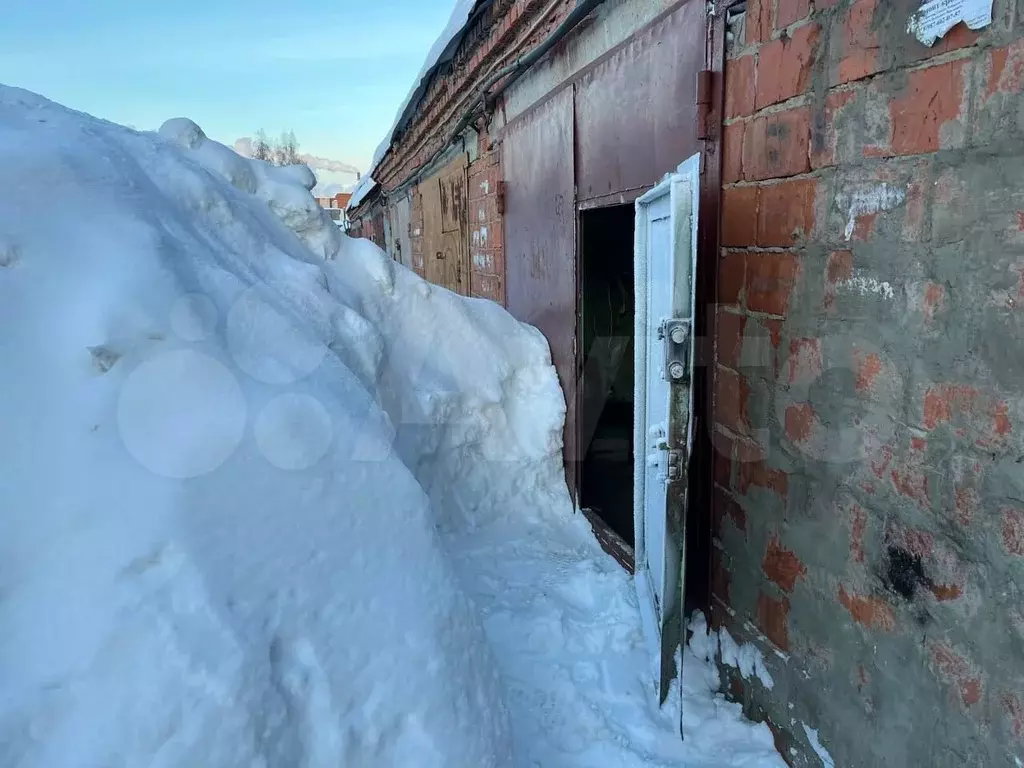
287	150
261	149
284	151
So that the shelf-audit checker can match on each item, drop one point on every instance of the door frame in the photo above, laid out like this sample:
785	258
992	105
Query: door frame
610	541
711	97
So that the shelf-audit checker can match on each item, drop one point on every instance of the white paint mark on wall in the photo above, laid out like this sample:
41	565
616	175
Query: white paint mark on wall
865	284
416	232
485	186
483	261
871	199
819	750
479	237
481	214
936	17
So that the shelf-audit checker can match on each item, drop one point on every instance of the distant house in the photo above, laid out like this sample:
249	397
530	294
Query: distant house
335	206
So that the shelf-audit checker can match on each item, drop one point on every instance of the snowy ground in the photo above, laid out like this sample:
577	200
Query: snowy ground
270	499
563	621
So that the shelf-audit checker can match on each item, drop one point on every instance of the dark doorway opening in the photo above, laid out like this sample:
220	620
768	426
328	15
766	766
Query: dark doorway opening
606	382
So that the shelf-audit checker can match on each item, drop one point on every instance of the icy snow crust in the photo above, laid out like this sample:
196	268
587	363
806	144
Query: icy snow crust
270	499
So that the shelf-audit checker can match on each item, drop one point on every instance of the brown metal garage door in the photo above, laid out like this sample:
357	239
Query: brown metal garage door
540	242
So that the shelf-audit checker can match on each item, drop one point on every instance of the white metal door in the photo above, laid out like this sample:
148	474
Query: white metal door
665	264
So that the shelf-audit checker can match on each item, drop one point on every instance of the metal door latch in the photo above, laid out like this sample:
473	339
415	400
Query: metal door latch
676	335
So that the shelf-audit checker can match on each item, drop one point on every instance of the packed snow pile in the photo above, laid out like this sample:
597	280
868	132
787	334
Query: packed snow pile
212	553
271	499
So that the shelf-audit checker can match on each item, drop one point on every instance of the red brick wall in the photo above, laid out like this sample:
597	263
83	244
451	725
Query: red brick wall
486	226
869	380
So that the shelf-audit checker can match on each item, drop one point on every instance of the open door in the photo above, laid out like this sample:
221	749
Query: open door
665	259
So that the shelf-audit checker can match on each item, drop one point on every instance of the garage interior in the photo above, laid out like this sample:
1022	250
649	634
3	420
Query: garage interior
606	320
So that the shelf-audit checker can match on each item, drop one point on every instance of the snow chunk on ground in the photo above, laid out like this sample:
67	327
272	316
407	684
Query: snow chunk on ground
747	658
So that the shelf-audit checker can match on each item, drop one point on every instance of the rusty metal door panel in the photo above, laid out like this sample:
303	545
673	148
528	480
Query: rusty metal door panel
378	230
446	228
454	203
636	111
540	239
455	225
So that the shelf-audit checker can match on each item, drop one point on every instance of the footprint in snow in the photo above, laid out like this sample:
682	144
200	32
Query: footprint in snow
103	358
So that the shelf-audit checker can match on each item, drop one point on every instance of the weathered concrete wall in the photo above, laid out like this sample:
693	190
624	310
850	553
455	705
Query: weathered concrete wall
869	397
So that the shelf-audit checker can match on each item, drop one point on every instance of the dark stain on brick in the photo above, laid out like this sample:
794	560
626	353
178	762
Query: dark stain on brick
905	572
818	128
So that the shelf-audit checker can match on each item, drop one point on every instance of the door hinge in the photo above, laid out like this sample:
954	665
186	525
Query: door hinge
705	129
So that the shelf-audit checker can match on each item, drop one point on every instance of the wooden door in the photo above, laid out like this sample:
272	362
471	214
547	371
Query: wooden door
446	228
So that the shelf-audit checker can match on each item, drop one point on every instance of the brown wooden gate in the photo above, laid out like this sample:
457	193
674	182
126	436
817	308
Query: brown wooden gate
446	228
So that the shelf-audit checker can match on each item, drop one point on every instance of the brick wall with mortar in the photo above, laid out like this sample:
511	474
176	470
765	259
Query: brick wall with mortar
486	224
869	381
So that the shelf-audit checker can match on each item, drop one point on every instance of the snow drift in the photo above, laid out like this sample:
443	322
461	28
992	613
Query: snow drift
213	553
267	498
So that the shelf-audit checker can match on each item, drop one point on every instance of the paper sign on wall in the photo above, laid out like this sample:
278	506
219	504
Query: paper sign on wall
936	17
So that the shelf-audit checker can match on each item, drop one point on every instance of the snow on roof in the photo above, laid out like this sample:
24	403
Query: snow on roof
441	51
363	188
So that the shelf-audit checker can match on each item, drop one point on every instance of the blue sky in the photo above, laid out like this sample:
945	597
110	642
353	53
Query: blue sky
334	72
